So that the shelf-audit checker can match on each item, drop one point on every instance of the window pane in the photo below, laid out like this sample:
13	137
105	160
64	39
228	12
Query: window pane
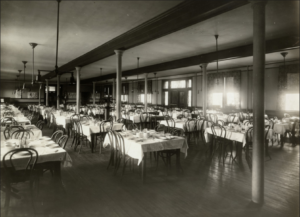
217	99
166	85
142	97
149	98
292	101
178	84
232	99
166	97
190	98
124	98
190	83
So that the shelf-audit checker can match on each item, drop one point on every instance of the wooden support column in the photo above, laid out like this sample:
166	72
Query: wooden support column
119	54
146	92
40	87
204	88
77	89
47	93
94	93
258	101
114	89
57	91
249	95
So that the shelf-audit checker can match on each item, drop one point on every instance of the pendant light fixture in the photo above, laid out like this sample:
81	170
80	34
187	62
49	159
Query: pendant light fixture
137	75
33	45
156	86
72	79
202	75
57	37
16	88
217	53
19	77
284	54
39	77
123	86
100	83
24	86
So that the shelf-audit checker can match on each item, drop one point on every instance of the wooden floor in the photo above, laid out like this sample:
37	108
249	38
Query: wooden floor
206	188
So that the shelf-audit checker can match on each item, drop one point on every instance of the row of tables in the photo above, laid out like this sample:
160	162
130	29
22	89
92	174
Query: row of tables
48	150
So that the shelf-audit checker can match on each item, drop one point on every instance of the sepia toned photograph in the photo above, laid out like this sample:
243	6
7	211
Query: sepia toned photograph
149	108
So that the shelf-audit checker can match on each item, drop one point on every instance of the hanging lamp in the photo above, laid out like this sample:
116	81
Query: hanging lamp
19	77
137	75
39	77
16	88
57	37
18	81
72	79
33	45
284	54
24	85
217	53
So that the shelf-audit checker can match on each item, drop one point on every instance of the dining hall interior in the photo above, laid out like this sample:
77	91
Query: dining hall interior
149	108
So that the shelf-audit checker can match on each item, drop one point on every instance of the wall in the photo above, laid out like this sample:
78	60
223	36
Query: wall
271	90
7	88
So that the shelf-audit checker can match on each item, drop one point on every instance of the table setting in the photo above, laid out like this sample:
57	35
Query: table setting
139	142
47	150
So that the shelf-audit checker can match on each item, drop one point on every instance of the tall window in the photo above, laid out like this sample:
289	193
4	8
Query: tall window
292	101
217	99
182	85
166	98
124	98
223	89
288	87
142	98
189	98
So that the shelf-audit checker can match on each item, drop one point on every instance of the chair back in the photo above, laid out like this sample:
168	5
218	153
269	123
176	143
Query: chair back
62	141
215	128
131	126
12	171
21	133
56	135
105	126
40	124
170	122
190	125
9	130
232	118
249	135
221	122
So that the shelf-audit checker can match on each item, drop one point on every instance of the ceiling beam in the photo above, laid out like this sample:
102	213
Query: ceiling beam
179	17
272	46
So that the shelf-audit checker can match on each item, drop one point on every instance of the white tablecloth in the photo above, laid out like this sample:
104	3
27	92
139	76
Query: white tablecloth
136	149
47	151
89	129
237	136
231	135
281	128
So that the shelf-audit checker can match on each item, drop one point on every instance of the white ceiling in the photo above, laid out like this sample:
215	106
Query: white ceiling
86	25
234	28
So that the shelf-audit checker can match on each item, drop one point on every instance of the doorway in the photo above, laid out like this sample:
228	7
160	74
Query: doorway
178	98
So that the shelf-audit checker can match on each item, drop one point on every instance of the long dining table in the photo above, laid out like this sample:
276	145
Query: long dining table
137	147
49	153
